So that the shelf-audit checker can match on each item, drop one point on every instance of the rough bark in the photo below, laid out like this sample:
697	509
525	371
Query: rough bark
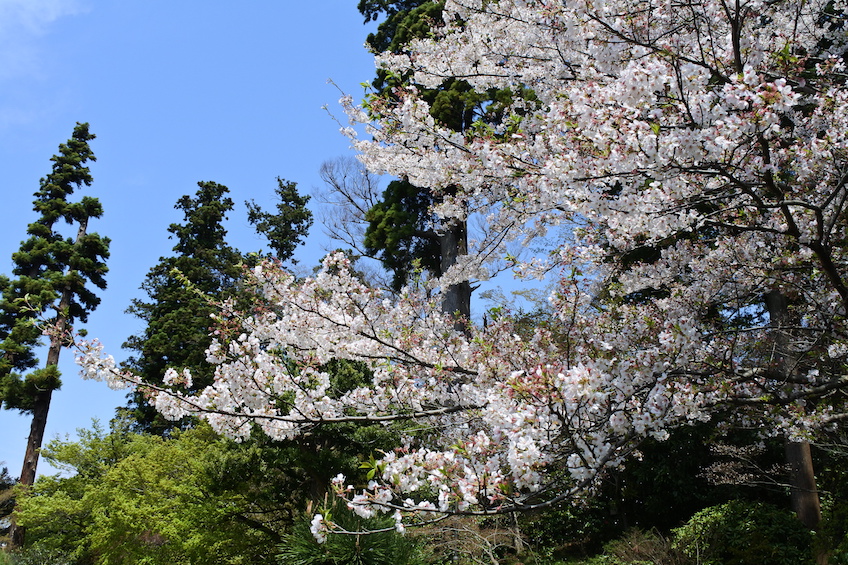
802	482
457	297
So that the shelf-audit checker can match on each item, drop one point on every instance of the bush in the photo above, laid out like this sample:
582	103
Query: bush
35	555
832	478
385	548
745	533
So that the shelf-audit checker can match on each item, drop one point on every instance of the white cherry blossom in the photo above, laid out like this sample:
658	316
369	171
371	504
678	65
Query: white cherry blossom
694	160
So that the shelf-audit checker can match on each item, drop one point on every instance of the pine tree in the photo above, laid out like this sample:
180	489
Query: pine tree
177	317
50	292
182	288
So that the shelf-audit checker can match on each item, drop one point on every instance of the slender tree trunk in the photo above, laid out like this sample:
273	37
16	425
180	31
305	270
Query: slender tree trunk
41	407
40	410
36	437
457	297
802	481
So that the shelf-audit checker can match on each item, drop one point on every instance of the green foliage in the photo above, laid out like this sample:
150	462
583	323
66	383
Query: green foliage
666	484
372	9
383	548
638	547
177	318
276	480
832	478
36	555
192	497
7	504
405	20
142	499
399	232
158	509
568	530
21	392
745	533
832	537
657	491
182	289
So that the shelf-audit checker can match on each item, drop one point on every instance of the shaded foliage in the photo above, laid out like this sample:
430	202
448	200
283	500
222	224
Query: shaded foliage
742	533
383	548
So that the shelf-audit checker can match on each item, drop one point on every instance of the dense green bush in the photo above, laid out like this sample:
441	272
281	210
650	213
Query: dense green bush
137	498
568	530
745	533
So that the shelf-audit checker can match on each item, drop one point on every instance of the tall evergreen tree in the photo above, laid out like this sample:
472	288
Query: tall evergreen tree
53	273
176	316
402	230
181	288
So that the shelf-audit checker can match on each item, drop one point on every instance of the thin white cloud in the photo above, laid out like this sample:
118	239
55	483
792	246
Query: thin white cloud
22	23
33	16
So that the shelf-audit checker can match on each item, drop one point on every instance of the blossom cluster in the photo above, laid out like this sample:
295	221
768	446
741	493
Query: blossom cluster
689	165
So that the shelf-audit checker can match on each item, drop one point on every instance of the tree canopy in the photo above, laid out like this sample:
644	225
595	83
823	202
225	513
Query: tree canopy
180	290
132	498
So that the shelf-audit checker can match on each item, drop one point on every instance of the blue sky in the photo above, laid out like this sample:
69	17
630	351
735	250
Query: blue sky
176	92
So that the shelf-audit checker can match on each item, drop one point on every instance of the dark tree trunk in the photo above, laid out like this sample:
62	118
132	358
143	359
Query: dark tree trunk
457	297
802	481
36	437
40	409
41	406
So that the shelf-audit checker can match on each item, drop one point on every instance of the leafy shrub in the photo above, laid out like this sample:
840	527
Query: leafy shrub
384	548
638	547
832	478
745	533
568	530
36	555
832	535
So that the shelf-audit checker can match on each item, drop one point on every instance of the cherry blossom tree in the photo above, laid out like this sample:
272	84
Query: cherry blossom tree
687	160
